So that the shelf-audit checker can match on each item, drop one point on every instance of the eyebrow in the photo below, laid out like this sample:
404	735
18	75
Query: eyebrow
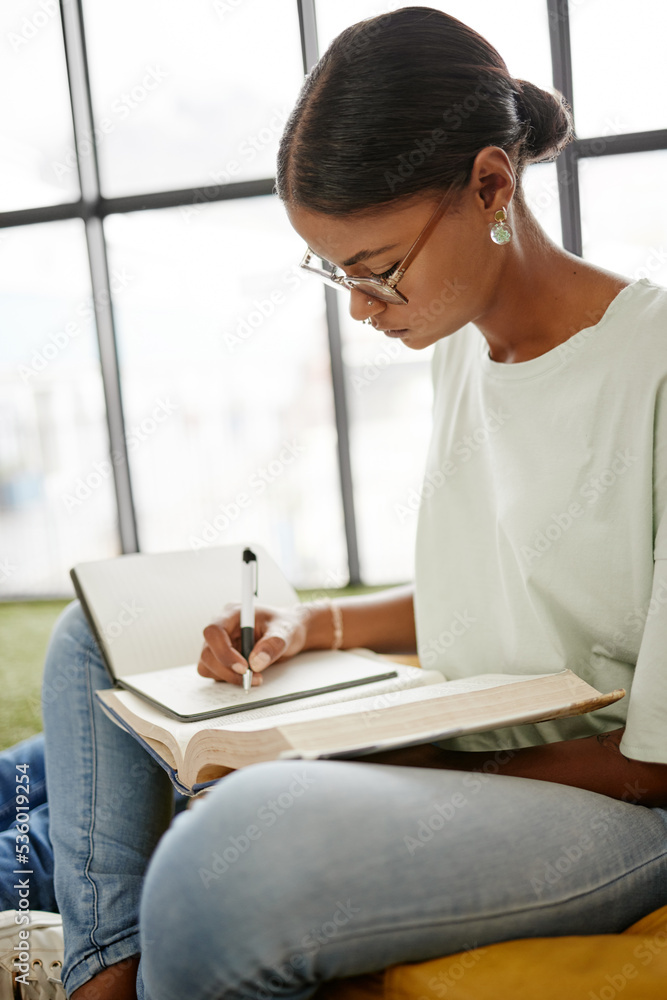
366	254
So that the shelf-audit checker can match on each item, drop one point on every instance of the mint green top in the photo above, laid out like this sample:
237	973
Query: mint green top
542	538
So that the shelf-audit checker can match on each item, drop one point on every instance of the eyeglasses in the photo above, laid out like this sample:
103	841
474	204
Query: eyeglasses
380	288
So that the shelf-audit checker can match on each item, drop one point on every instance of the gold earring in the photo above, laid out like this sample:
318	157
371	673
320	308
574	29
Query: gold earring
500	231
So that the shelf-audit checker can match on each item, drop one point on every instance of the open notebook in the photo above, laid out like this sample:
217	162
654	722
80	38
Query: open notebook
148	613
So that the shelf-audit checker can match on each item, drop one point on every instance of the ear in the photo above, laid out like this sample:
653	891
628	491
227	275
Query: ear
492	181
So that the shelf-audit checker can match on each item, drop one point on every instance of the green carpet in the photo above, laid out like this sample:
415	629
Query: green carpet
24	634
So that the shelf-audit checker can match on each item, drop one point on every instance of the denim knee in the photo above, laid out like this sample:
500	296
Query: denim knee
71	643
232	886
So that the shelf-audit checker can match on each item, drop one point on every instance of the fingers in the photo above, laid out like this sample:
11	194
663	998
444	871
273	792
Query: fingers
279	633
210	666
219	658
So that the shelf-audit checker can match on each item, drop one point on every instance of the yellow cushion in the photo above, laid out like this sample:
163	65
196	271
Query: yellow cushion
632	966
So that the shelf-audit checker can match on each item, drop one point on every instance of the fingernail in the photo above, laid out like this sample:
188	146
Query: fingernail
240	668
260	661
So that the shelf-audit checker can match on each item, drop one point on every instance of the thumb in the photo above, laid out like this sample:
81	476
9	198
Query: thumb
270	647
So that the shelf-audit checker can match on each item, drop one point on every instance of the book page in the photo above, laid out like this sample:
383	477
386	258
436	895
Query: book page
184	692
436	714
371	705
148	720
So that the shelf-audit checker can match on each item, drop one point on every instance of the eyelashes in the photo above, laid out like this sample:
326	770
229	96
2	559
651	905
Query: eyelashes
387	273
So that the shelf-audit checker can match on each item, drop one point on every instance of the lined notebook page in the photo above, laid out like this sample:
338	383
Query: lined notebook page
183	691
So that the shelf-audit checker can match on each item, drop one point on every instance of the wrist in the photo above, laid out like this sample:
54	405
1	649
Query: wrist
324	624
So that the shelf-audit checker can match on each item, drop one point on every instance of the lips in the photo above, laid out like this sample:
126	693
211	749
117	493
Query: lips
393	333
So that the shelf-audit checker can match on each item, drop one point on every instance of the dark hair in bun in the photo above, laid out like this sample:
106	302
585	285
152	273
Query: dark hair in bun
401	104
548	122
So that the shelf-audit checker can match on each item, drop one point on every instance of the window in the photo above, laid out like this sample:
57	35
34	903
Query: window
167	376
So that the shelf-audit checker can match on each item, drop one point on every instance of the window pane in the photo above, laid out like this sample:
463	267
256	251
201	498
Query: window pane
540	185
618	59
56	491
226	384
627	236
190	94
522	38
37	160
389	399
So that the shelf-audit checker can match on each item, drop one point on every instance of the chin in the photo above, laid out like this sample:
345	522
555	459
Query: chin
418	340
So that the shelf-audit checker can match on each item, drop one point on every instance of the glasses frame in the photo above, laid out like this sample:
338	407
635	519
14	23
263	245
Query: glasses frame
386	286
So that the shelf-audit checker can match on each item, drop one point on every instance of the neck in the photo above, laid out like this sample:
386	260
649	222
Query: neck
543	295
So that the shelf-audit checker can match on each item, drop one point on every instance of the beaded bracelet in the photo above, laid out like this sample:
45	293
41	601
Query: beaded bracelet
337	621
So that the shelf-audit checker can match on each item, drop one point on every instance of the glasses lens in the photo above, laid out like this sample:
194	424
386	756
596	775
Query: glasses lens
383	292
333	275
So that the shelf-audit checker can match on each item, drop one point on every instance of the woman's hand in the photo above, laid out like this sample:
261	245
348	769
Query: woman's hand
279	633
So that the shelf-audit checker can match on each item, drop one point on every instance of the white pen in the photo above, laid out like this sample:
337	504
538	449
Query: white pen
248	594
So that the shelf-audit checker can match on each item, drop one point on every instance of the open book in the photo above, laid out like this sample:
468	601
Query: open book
416	707
148	612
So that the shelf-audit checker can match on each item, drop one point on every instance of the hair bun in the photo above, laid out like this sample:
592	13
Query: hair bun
548	121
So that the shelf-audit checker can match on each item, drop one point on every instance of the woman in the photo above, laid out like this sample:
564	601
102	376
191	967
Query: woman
537	550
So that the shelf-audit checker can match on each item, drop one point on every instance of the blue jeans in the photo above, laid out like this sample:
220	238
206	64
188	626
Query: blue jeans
292	873
31	753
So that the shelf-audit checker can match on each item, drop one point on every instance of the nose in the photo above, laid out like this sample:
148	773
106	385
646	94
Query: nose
363	306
